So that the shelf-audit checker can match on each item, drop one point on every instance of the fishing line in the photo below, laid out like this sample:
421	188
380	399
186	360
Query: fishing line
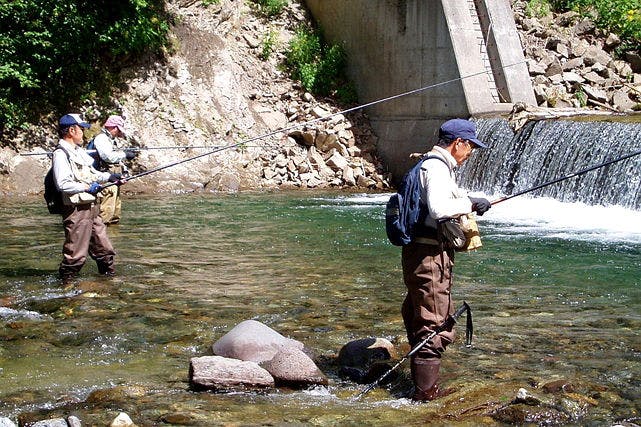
172	147
563	178
313	121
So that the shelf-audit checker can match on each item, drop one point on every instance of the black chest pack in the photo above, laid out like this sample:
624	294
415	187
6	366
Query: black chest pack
53	196
404	209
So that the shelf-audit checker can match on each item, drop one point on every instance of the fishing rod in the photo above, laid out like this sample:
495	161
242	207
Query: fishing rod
563	178
447	325
310	122
136	149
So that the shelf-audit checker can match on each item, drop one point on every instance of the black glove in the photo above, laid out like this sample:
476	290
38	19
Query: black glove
480	205
130	154
94	188
115	177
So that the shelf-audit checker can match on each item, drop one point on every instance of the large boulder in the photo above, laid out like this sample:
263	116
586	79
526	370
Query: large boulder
291	367
221	374
251	340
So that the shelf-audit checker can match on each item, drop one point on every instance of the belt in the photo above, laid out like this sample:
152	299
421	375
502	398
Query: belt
426	241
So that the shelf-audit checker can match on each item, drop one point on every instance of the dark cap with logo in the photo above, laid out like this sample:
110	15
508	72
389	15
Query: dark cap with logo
72	119
460	128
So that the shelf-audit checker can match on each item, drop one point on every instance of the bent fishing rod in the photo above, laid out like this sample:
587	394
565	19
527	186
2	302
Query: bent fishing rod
311	122
563	178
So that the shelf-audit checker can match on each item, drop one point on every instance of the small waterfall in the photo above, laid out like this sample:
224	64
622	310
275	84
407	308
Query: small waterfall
545	150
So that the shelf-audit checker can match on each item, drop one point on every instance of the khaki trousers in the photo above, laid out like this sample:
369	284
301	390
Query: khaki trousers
427	273
85	234
110	204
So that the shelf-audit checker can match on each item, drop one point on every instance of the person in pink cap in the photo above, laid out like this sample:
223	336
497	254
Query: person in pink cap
109	158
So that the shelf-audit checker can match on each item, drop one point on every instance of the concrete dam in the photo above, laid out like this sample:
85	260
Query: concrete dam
465	53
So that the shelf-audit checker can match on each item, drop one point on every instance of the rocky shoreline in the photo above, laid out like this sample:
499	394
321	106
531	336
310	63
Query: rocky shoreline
217	89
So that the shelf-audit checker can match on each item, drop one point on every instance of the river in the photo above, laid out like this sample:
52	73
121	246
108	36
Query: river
555	292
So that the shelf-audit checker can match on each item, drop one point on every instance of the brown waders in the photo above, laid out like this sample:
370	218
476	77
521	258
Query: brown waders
427	273
85	234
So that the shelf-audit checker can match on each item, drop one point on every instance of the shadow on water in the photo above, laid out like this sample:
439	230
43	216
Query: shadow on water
318	268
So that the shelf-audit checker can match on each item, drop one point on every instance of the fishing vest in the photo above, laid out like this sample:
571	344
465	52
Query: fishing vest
82	172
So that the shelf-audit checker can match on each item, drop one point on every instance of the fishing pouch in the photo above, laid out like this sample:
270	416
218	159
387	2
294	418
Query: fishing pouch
452	235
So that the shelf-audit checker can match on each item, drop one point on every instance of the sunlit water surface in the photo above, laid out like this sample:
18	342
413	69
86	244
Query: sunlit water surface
555	290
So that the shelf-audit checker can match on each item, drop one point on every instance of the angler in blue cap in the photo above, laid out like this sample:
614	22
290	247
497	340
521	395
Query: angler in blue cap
79	182
427	261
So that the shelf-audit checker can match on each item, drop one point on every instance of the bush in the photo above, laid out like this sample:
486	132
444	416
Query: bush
55	53
319	67
271	7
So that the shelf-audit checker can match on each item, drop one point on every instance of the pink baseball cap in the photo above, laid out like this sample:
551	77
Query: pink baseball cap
116	122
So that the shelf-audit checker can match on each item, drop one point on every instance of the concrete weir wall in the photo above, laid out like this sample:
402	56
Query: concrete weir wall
466	53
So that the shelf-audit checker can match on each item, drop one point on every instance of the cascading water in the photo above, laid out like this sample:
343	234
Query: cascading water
545	150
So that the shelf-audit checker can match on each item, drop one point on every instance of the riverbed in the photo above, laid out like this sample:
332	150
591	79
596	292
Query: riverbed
555	292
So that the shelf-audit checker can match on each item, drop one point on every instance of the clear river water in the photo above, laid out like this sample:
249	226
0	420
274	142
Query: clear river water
555	292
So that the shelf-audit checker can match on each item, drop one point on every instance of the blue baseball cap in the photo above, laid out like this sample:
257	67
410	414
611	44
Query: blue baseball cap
73	119
460	128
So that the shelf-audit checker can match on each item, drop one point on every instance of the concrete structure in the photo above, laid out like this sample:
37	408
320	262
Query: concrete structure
465	53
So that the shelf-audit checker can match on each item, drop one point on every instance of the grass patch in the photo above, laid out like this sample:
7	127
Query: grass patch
271	8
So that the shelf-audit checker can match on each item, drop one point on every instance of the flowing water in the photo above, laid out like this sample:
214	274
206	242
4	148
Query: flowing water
555	292
546	150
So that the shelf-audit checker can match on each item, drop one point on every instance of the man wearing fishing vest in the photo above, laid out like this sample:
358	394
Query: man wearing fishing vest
79	182
427	262
110	159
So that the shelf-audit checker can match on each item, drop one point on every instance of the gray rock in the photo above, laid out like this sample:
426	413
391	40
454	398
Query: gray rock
364	181
595	54
635	61
54	422
348	176
573	64
6	422
585	26
294	368
253	341
122	420
554	69
337	162
621	100
611	41
223	374
572	77
595	93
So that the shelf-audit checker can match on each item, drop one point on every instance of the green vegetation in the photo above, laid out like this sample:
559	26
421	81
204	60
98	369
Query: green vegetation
55	53
581	96
621	17
271	7
319	67
267	45
538	8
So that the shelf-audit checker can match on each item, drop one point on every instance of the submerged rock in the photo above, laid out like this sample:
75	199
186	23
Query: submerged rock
251	340
122	420
360	360
292	367
223	374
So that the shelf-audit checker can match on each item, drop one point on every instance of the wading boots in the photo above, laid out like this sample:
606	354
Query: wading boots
425	377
